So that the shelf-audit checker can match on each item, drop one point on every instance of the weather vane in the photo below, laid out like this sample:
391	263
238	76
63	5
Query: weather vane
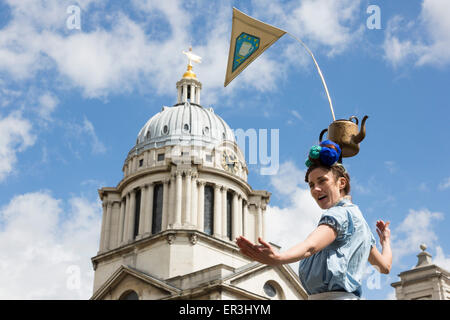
192	57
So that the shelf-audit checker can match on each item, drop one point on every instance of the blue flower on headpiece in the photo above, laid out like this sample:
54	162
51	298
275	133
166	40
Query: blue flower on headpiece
328	154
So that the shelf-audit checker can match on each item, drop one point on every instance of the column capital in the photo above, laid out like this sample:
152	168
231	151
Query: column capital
201	182
109	202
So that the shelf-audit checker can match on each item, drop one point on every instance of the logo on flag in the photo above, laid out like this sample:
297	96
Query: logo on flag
246	45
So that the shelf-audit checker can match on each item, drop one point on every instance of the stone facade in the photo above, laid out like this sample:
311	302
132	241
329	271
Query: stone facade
426	281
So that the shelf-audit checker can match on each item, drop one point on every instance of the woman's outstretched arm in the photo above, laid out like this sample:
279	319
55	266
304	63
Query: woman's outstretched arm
382	260
320	238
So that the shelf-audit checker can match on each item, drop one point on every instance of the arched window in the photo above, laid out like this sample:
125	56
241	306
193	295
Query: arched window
229	213
273	290
209	210
129	295
157	208
137	213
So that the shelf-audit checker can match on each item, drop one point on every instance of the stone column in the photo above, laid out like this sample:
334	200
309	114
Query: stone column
131	216
177	221
142	217
103	231
126	219
193	93
108	225
263	222
184	92
245	219
259	222
121	222
239	217
133	165
171	213
194	202
224	213
187	203
148	213
145	159
201	206
217	211
197	96
165	208
234	217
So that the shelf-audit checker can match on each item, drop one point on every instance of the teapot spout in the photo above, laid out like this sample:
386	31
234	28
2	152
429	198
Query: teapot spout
362	132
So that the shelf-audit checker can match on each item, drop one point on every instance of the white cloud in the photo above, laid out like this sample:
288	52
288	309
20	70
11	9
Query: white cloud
44	246
131	55
444	184
85	134
333	25
391	295
47	105
426	42
359	187
441	259
415	229
327	22
97	145
296	114
15	136
390	166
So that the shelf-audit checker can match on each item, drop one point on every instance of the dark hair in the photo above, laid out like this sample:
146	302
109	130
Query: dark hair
338	172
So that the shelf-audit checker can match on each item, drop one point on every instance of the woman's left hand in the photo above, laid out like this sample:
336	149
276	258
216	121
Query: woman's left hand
262	252
383	231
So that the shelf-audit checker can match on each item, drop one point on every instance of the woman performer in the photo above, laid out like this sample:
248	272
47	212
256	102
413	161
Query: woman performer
332	258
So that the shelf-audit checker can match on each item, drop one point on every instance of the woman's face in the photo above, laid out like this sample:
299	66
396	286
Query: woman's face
325	189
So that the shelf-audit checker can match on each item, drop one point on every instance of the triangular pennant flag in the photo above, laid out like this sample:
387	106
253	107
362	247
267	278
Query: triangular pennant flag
249	38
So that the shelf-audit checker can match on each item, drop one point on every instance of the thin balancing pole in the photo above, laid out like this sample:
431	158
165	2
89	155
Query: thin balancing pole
318	69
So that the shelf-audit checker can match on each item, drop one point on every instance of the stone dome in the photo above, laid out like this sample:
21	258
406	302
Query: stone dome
186	124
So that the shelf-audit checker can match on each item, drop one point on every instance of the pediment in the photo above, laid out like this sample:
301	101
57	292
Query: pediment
126	279
283	279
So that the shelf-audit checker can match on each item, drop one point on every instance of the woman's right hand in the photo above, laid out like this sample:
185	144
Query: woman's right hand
263	253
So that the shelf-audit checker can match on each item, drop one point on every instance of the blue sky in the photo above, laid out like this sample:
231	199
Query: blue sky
73	101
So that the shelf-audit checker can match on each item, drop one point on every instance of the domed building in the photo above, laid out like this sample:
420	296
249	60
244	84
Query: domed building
168	227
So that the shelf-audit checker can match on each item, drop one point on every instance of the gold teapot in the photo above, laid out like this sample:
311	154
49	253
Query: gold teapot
346	134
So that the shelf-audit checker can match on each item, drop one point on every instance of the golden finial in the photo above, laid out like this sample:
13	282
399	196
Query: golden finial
191	57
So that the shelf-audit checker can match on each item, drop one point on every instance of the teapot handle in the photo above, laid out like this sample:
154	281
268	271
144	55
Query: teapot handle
353	117
321	134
